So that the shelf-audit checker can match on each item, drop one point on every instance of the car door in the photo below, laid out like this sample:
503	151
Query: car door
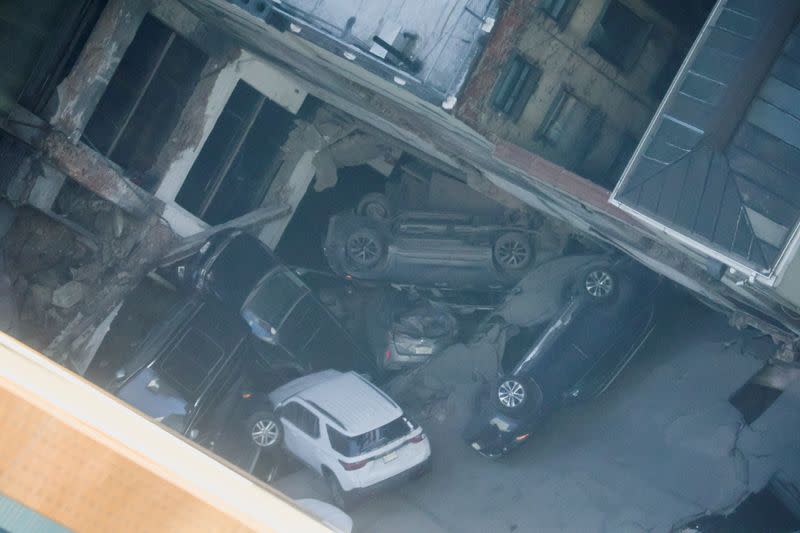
301	433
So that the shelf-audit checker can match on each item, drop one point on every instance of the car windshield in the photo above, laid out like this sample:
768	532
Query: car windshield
371	440
274	297
238	268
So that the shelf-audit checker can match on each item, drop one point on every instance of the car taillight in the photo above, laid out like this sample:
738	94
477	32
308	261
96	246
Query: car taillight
417	438
353	466
388	355
520	438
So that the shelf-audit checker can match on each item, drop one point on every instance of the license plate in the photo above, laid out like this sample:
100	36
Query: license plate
389	457
423	350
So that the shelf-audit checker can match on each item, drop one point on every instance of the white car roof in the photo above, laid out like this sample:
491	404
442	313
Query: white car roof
352	403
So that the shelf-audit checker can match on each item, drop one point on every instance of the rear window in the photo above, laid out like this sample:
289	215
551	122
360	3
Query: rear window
372	440
275	297
191	360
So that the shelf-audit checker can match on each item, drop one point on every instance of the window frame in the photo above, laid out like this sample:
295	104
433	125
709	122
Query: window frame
174	39
561	18
521	91
573	151
634	52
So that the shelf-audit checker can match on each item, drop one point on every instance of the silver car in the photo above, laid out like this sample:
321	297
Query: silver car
445	250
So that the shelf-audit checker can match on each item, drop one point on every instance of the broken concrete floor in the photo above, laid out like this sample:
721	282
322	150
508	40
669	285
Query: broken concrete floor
663	444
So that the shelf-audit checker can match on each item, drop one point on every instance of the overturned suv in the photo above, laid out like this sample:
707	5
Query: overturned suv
436	249
602	326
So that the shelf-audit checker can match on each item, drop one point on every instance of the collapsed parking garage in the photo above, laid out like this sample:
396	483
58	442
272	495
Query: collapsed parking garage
272	229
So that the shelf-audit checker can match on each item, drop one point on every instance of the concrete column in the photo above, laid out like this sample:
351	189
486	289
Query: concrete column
294	187
204	107
79	94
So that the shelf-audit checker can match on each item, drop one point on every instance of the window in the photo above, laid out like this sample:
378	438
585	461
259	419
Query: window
242	264
275	297
145	97
301	418
239	160
558	10
191	360
571	126
515	86
371	440
619	35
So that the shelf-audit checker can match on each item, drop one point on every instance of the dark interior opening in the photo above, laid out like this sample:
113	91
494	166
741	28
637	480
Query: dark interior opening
240	158
753	398
145	98
761	511
302	241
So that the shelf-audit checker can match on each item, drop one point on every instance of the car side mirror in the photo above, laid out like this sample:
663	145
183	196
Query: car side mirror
193	434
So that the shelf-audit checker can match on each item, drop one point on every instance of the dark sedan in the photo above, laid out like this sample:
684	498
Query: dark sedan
578	355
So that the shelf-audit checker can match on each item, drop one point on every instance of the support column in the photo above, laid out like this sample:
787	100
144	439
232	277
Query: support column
79	94
293	179
204	107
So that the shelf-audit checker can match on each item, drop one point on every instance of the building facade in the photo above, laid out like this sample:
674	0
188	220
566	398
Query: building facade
576	81
186	116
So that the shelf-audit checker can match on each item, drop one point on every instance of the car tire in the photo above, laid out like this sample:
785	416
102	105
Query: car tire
375	206
512	251
339	496
530	399
511	394
264	429
600	283
364	248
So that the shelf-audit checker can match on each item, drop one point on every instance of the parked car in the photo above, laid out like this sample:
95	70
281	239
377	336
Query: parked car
350	432
447	250
578	355
202	374
414	332
238	270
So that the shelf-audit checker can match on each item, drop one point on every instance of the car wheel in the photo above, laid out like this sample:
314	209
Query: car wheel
364	248
513	251
340	498
511	394
375	205
264	429
600	283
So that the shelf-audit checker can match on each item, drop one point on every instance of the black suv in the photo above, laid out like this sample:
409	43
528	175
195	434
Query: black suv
202	374
578	355
239	271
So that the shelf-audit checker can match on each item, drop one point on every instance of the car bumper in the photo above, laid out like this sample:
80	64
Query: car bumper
394	481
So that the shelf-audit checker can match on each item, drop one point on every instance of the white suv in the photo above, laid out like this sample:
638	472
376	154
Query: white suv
350	432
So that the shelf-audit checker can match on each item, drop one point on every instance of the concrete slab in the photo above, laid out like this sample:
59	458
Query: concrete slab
659	446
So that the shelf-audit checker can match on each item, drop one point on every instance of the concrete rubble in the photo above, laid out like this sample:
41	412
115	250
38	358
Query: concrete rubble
667	446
